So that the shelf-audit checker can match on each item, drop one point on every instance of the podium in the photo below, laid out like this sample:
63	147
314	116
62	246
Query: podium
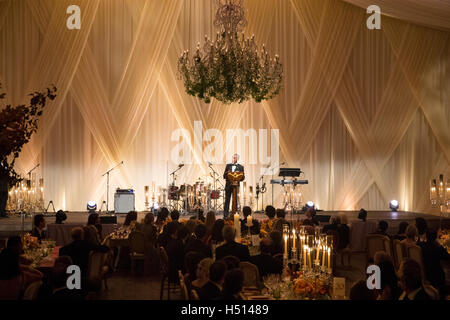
234	178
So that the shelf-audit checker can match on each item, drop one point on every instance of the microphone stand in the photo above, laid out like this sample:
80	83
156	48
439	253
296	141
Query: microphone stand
273	168
107	185
29	172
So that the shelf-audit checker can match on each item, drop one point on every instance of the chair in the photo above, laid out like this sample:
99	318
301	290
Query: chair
183	287
399	252
137	248
97	270
164	269
194	295
375	243
251	274
431	291
31	293
415	252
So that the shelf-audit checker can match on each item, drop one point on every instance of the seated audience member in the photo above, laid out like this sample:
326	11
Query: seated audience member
161	219
15	245
277	242
265	262
175	251
190	225
167	235
175	215
311	219
343	231
270	212
422	227
280	220
216	235
333	225
382	228
362	215
202	274
58	280
60	217
196	244
254	229
231	247
381	256
213	288
433	253
232	285
209	223
390	289
149	229
411	236
91	232
191	261
401	233
410	276
79	249
360	291
130	219
231	262
38	228
14	279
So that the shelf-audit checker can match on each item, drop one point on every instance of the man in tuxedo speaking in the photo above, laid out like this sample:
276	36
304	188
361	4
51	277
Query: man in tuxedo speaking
231	167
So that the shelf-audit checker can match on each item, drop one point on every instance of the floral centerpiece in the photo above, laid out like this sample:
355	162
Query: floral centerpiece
266	227
298	286
30	242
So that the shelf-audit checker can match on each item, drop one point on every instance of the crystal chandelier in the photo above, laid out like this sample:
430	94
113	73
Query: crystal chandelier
230	68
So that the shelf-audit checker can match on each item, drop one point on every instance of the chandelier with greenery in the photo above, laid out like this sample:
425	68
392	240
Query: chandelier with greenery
230	68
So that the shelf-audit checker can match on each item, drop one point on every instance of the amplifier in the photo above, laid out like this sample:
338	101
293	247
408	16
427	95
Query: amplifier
123	202
108	219
126	191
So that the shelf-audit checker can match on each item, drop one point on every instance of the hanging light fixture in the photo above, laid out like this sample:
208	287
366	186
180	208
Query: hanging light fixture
230	68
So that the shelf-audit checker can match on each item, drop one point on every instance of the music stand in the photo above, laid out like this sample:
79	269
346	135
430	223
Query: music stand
289	172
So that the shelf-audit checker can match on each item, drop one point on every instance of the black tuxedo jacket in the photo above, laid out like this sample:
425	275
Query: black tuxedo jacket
229	167
209	291
233	249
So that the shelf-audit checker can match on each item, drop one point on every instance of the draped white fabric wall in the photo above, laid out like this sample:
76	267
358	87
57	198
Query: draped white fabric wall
366	114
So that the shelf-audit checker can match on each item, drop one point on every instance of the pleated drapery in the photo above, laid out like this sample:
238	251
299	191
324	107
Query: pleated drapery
364	113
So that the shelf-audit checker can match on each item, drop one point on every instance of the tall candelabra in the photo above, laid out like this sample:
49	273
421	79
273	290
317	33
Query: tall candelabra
26	197
440	195
312	252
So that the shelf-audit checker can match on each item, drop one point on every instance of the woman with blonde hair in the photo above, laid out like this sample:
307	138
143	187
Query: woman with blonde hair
411	234
202	273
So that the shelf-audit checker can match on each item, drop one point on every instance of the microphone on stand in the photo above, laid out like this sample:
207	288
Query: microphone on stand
181	165
209	164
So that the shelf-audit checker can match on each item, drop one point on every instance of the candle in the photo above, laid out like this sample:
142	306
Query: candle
323	256
146	192
329	258
237	226
317	252
309	257
293	238
249	220
285	244
304	254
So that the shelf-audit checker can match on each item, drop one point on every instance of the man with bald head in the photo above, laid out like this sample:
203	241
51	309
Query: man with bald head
79	249
265	262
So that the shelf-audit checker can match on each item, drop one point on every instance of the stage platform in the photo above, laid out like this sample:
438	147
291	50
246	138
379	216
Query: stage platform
13	224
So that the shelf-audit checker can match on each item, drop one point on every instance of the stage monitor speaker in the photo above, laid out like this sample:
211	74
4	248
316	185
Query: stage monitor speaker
124	202
107	219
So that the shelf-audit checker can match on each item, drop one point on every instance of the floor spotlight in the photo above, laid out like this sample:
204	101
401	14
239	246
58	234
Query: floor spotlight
310	204
92	206
394	205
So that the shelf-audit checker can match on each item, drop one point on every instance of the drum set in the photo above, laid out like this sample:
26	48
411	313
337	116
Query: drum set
206	193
